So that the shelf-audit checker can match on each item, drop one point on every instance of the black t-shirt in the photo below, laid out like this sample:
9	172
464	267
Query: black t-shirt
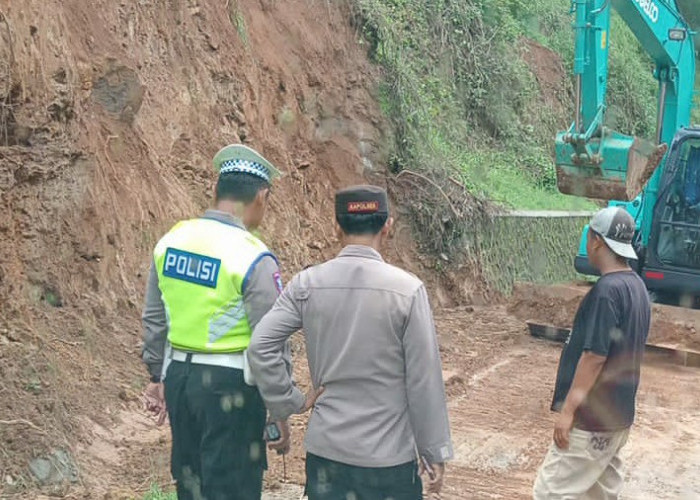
613	321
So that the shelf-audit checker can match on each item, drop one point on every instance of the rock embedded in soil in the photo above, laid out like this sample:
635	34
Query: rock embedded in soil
56	468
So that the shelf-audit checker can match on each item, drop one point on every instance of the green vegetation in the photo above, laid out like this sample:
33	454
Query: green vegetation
529	249
156	493
691	12
236	17
466	104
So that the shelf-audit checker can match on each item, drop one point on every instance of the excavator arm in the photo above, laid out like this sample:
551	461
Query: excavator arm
592	160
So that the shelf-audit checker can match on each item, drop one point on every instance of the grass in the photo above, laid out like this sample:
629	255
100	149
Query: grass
238	21
510	188
156	493
491	174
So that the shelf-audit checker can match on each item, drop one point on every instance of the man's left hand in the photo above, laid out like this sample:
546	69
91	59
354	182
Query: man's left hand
562	428
154	401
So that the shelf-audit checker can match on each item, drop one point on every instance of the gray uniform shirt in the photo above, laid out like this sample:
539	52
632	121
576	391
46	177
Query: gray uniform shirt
371	342
259	295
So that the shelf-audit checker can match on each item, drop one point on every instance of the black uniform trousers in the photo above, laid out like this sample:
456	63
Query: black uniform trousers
217	423
329	480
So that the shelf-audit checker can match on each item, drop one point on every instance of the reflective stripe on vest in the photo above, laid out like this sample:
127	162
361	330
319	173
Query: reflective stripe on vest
203	266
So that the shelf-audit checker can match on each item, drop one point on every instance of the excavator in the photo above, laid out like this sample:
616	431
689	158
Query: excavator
657	181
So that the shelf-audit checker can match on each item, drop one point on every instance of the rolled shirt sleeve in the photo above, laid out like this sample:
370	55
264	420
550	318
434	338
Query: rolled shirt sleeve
266	355
427	404
155	325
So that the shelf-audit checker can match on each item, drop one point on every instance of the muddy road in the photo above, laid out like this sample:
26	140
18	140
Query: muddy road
499	382
502	427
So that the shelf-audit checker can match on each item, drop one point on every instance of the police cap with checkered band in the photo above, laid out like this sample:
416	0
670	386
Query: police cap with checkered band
237	158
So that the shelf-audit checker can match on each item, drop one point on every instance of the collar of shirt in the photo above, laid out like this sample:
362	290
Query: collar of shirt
223	217
360	251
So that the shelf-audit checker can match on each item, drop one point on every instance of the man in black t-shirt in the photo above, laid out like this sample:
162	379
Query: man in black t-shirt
598	371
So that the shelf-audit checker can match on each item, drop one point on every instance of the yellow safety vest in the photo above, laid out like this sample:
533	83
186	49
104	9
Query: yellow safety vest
203	266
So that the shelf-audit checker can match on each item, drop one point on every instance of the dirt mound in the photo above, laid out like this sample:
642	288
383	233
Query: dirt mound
552	305
557	305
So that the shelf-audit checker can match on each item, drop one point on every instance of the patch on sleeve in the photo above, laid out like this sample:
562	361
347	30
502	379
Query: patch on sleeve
277	277
191	267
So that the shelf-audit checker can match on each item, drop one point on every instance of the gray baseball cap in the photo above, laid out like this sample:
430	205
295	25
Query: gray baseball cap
616	226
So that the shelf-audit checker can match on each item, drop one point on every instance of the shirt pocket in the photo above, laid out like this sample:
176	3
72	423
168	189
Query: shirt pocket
301	294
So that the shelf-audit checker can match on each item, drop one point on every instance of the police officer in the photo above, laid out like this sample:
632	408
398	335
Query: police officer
373	357
211	282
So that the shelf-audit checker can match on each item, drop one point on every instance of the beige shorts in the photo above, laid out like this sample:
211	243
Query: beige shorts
590	469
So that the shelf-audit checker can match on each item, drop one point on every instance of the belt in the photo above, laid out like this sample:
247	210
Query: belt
228	360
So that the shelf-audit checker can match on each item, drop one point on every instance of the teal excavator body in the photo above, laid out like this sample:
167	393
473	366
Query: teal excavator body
648	177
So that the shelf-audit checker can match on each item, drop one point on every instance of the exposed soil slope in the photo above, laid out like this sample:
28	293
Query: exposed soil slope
110	115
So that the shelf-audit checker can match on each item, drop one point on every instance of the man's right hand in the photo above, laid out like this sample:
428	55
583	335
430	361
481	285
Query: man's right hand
436	481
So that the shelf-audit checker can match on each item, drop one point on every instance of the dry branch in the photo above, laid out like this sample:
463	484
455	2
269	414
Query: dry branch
442	192
22	421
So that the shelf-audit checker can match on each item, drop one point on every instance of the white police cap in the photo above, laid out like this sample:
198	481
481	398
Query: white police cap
242	159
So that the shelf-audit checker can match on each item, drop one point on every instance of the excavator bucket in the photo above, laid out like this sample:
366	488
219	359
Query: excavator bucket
615	167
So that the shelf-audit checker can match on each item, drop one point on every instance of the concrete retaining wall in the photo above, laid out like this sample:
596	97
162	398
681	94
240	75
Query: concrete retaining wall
537	247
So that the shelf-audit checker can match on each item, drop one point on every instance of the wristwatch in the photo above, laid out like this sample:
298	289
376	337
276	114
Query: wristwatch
155	379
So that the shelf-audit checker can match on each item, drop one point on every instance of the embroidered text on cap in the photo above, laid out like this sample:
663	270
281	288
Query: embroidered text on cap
363	207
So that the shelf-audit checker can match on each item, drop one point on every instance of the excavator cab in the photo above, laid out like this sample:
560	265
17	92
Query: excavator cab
676	228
